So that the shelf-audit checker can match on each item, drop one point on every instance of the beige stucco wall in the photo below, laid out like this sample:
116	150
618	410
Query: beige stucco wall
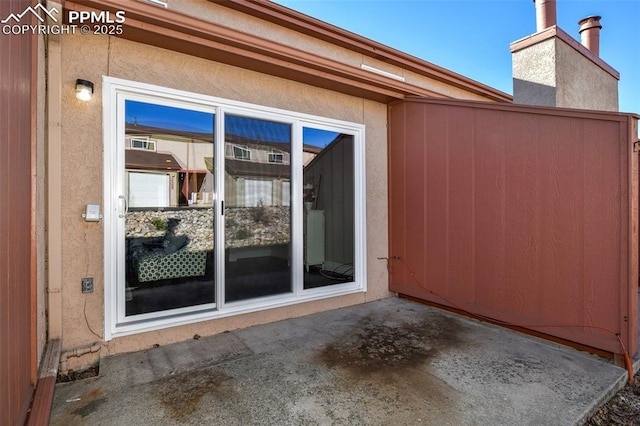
553	73
92	57
534	74
581	83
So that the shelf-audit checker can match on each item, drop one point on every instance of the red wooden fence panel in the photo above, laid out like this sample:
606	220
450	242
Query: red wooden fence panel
17	370
521	214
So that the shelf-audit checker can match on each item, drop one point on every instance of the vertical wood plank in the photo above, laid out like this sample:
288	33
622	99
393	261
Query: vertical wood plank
16	333
526	215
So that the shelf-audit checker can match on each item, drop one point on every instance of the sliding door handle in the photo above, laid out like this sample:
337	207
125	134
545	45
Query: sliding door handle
122	202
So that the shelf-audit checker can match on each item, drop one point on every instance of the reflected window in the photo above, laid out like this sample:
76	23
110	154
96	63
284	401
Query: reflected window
240	153
145	144
276	157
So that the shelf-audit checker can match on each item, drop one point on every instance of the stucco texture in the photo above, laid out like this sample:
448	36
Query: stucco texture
81	151
91	57
583	84
534	74
553	73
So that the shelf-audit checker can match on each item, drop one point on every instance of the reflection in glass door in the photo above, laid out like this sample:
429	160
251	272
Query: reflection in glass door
214	207
168	188
329	215
257	208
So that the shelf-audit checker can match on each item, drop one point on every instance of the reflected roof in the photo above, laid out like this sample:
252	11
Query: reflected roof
148	160
248	168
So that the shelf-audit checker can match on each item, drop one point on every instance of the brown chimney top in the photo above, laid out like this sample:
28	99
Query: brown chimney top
590	33
545	14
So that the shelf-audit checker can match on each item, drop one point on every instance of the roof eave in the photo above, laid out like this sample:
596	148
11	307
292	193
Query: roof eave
149	24
289	18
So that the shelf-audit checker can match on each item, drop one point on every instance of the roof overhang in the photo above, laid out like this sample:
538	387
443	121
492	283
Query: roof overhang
251	169
316	28
165	28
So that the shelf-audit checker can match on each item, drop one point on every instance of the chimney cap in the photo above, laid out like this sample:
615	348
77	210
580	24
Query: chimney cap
589	22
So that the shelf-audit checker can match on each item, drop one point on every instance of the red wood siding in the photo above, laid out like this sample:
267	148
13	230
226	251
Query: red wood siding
519	214
17	346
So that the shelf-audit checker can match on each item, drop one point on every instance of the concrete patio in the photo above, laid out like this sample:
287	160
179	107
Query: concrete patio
392	361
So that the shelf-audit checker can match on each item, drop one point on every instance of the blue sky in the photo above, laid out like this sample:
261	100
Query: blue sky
173	118
152	115
472	37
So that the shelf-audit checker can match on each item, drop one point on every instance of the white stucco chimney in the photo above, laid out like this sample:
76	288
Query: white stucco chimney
590	33
545	14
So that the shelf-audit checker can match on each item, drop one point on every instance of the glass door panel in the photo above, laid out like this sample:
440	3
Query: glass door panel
169	223
328	197
257	208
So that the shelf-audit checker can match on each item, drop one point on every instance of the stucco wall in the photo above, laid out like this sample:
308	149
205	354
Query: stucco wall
583	84
553	73
91	57
534	74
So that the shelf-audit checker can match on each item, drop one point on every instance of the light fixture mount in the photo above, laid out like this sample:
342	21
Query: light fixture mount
84	89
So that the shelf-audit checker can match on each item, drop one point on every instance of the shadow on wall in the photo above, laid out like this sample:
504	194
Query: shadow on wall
529	93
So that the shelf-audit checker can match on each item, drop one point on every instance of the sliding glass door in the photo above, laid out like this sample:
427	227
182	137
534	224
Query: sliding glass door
214	207
167	207
257	164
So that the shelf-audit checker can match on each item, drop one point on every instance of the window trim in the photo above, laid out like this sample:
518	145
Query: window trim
274	153
241	149
145	140
115	91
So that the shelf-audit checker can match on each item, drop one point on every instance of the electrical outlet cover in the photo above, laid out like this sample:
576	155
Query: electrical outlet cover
87	285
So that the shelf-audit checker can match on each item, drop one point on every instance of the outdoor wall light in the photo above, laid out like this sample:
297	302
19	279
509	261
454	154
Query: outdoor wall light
84	89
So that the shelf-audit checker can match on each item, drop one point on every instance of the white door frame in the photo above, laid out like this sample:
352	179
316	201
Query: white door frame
115	91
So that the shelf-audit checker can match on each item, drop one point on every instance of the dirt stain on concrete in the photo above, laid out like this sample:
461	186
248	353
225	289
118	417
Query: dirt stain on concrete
90	401
387	367
181	394
373	345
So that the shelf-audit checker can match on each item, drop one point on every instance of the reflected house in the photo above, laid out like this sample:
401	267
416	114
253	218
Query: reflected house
179	166
259	172
170	181
167	167
168	170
